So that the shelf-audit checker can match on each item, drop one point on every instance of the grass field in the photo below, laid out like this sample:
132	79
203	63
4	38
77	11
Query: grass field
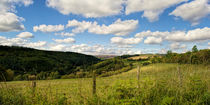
159	84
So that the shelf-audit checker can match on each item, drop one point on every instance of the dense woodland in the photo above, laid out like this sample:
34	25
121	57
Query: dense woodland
21	62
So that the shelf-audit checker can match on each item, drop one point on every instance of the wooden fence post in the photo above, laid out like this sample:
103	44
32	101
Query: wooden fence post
94	83
138	76
180	76
33	87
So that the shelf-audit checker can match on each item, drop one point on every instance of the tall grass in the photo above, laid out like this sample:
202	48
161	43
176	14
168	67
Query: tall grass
159	84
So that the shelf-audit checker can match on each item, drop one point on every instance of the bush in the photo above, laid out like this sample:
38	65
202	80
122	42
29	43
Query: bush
18	78
146	63
54	75
25	76
68	76
42	75
9	75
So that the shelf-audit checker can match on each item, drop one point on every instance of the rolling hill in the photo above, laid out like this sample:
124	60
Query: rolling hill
27	60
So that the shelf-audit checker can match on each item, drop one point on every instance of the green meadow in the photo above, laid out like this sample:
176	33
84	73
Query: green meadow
158	84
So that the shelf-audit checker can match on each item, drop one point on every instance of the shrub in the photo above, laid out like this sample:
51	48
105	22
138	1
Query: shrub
9	75
146	63
18	78
54	75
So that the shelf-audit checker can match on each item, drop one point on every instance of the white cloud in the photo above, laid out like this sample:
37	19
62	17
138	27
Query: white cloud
48	28
9	21
12	41
193	11
25	35
199	34
58	47
36	44
149	33
209	43
67	40
153	40
87	8
191	35
9	5
65	34
101	50
151	8
80	26
26	2
122	46
162	51
125	41
176	46
176	36
119	28
21	42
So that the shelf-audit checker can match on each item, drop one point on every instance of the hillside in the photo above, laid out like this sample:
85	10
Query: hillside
105	56
103	68
26	60
160	84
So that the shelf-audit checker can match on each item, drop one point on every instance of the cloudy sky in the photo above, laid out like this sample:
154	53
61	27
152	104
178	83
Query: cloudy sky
106	26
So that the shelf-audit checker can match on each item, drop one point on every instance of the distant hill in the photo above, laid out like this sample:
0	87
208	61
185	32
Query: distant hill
143	56
27	60
105	56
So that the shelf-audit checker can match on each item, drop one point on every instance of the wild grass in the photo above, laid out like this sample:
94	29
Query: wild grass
159	84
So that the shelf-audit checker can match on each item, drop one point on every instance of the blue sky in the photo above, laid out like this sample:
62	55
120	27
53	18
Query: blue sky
106	27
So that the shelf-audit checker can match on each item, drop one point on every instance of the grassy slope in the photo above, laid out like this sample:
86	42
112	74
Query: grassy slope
159	84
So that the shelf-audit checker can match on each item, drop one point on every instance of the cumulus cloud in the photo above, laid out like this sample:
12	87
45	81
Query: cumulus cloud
21	42
25	35
199	34
36	44
9	21
149	33
162	51
12	41
48	28
67	40
59	47
65	34
193	11
153	40
209	43
101	50
9	5
176	46
151	8
80	27
191	35
119	27
125	41
87	8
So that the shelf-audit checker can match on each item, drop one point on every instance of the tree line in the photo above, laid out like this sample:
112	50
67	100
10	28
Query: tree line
191	57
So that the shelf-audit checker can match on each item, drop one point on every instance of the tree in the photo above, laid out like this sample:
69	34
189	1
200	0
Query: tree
9	75
194	49
2	73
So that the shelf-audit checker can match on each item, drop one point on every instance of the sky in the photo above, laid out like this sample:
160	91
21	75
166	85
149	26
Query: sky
106	27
